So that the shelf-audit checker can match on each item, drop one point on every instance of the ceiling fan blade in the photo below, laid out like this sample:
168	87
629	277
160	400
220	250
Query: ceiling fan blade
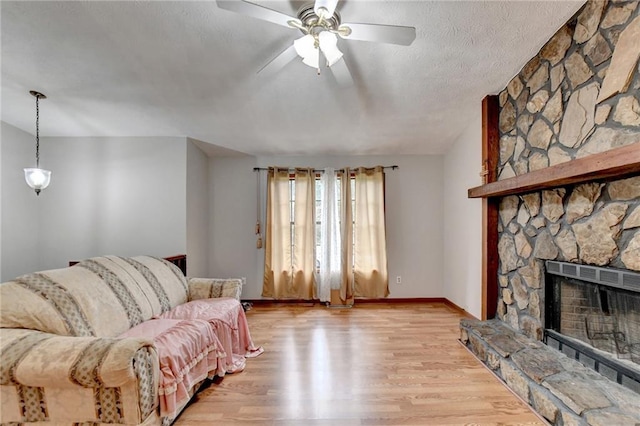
279	62
341	73
256	11
392	34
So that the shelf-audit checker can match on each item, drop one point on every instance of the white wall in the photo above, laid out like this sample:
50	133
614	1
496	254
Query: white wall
20	206
463	220
414	219
124	196
197	211
0	202
232	247
161	196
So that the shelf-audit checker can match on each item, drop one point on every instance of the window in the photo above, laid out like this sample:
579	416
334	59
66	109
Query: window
299	218
318	213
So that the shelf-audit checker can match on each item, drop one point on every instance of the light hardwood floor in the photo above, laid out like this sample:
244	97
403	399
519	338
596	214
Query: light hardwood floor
374	364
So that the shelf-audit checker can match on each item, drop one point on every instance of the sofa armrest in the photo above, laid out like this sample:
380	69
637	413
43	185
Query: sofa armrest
207	288
48	360
71	378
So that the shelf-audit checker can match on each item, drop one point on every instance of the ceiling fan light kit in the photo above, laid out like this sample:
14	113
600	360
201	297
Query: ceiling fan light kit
308	46
320	23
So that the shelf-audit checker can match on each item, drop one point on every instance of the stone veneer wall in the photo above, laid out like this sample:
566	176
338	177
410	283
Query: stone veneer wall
580	95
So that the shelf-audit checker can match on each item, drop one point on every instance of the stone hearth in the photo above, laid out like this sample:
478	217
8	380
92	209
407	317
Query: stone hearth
559	388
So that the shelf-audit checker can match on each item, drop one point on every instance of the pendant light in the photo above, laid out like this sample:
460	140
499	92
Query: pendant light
37	178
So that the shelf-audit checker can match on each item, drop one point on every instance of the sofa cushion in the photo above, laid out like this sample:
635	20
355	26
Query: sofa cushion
188	351
102	296
209	288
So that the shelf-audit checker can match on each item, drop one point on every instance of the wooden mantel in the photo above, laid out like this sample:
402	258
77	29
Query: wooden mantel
614	164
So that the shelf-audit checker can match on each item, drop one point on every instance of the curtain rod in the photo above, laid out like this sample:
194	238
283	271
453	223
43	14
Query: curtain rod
258	169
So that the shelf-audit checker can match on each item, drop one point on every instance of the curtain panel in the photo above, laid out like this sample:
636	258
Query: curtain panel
290	235
353	251
304	239
346	236
330	247
371	278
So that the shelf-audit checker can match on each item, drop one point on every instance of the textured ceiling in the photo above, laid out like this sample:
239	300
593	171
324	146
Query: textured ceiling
183	68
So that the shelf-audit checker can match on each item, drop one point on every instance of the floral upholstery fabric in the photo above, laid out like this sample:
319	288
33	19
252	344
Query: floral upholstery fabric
76	301
62	360
46	377
208	288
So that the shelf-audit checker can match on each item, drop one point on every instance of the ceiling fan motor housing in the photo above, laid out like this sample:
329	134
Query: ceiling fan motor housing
314	24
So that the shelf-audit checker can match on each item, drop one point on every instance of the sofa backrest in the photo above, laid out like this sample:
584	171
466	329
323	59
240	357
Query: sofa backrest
102	296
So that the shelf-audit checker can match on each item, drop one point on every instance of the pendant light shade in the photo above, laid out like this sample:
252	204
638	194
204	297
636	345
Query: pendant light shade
313	59
37	178
305	46
328	44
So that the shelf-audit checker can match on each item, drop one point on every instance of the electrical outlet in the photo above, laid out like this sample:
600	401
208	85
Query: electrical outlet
398	279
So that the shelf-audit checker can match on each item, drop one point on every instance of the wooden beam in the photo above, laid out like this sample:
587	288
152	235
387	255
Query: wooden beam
490	258
490	159
490	137
614	164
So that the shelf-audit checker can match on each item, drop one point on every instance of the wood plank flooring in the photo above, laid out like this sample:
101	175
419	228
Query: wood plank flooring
374	364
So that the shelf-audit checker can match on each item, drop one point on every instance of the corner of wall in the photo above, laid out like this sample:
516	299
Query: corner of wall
197	205
1	180
462	245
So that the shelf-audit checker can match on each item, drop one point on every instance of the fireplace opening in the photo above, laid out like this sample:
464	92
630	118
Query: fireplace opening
593	315
604	302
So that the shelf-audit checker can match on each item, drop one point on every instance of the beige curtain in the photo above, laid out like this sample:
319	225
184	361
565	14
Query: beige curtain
346	234
289	274
371	279
277	252
304	240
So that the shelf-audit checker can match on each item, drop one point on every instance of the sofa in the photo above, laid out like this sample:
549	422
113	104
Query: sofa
115	340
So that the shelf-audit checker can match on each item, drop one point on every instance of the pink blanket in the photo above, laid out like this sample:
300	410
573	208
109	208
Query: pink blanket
227	317
189	352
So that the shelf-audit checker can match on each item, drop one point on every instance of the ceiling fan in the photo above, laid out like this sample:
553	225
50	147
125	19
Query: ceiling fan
321	25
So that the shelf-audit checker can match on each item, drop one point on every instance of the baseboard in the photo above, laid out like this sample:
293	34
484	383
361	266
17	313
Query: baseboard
264	302
462	312
404	300
443	300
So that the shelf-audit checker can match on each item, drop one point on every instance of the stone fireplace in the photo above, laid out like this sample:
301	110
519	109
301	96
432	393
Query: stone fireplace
579	96
593	316
561	107
588	224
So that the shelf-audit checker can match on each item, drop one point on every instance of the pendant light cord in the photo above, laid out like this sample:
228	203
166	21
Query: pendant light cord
37	132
